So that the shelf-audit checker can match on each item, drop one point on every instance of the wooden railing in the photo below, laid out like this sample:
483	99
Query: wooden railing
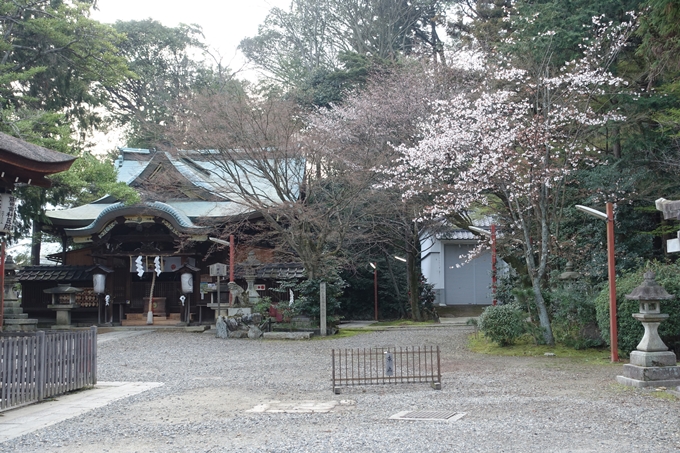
39	365
386	366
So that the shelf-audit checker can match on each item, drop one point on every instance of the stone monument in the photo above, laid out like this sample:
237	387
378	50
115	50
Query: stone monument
221	326
651	364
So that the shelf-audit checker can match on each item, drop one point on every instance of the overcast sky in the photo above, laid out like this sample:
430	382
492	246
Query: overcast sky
225	23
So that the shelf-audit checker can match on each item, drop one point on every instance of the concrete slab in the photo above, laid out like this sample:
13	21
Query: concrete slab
25	420
119	334
299	407
287	335
355	324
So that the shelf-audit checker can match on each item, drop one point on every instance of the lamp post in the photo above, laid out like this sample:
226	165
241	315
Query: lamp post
375	289
186	275
99	273
229	244
492	235
611	265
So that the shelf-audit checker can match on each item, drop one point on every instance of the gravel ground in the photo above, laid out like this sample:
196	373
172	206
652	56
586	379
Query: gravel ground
545	404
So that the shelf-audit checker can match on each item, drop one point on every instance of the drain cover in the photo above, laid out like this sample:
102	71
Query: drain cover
428	415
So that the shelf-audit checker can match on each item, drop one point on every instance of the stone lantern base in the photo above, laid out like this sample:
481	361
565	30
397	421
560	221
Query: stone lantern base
651	369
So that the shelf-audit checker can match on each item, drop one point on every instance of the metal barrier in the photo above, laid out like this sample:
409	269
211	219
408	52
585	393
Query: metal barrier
386	366
39	365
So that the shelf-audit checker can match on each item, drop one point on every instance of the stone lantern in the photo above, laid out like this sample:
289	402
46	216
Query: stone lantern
651	364
63	309
15	320
250	265
569	275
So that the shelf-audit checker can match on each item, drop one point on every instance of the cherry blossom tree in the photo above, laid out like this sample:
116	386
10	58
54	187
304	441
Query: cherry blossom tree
364	131
513	143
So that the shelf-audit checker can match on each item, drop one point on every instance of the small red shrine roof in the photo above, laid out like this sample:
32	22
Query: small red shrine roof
23	162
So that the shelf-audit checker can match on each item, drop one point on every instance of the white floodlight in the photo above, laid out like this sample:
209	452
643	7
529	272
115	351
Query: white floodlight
593	212
219	241
400	258
480	230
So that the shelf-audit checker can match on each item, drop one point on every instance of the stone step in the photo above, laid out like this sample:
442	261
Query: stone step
141	316
20	325
157	321
16	316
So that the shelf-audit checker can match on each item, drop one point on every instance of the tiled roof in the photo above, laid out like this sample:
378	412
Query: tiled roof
33	153
281	271
54	274
457	235
274	271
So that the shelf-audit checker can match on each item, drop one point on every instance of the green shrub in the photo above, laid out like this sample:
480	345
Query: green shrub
503	324
574	318
630	330
307	301
262	306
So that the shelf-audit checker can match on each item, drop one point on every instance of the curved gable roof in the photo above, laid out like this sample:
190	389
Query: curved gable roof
176	218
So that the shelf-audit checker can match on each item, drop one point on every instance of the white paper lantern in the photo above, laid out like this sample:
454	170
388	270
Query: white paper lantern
187	283
99	281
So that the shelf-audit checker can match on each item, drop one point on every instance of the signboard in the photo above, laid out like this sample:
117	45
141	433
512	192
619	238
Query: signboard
389	364
7	205
218	270
260	287
172	263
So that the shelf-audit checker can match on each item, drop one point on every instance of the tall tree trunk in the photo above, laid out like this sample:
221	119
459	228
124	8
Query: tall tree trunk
412	274
543	317
536	272
36	239
616	142
402	311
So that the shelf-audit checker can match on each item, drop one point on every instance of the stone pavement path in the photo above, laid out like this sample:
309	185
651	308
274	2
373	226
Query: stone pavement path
25	420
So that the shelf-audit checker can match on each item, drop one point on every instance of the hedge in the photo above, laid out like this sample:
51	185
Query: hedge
630	330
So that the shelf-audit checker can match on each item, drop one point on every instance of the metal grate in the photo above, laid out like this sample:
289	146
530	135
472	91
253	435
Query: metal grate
385	366
428	416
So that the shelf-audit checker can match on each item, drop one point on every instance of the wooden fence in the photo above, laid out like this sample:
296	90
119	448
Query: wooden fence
386	366
39	365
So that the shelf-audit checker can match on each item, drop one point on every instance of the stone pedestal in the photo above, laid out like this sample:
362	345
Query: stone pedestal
239	311
229	312
15	320
223	311
63	315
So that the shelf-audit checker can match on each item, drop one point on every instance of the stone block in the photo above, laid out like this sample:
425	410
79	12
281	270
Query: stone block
653	359
254	333
655	373
287	335
238	334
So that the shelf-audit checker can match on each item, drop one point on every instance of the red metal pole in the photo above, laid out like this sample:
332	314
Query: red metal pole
231	257
613	334
231	266
2	283
493	261
375	289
